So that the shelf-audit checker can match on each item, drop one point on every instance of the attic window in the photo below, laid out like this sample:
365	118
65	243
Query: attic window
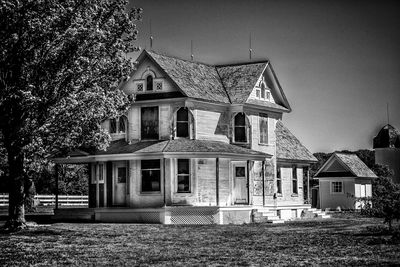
159	86
149	83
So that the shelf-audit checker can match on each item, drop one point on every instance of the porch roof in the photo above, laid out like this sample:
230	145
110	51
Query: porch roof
182	148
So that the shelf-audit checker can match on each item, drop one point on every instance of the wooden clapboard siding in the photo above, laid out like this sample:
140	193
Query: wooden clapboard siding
134	123
287	196
224	183
164	121
212	125
205	174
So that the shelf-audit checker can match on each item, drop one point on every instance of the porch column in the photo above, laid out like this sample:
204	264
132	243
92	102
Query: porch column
56	189
308	185
96	173
104	184
163	174
248	182
217	180
263	181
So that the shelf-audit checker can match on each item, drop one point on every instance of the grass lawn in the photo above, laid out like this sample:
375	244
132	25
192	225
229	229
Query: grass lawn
339	241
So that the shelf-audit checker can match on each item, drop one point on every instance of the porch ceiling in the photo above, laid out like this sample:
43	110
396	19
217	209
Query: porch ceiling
179	148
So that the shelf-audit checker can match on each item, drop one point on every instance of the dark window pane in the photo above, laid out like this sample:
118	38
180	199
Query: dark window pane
294	186
183	183
278	172
262	90
294	171
279	186
240	119
240	171
240	134
151	164
183	166
149	126
149	81
122	124
182	129
121	175
182	114
150	180
113	126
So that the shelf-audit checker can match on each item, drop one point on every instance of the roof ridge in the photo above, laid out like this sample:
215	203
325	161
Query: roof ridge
181	59
241	63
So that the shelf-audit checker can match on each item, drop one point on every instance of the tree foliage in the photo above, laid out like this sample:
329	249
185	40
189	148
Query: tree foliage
60	66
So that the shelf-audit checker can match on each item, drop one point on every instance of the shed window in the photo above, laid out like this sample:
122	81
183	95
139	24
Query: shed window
240	128
278	181
149	83
182	123
149	123
337	187
294	180
263	129
151	175
183	176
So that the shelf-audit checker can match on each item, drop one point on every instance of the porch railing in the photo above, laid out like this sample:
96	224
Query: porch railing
50	200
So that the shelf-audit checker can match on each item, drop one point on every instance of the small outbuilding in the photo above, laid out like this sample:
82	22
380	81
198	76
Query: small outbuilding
342	180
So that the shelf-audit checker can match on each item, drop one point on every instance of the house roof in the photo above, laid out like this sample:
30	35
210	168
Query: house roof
183	148
289	148
222	83
239	80
388	136
196	80
353	165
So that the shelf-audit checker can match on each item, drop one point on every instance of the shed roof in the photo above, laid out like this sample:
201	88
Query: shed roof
289	148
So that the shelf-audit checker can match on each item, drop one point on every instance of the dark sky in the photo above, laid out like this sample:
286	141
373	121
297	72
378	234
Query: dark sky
337	61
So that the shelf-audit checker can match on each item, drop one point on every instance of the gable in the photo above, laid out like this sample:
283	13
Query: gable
335	166
137	82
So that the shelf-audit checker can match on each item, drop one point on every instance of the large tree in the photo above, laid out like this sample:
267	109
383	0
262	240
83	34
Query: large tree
60	66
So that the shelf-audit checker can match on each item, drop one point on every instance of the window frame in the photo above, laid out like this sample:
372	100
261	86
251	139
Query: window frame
117	122
149	76
278	181
332	187
295	181
245	127
142	191
183	175
158	122
181	122
263	118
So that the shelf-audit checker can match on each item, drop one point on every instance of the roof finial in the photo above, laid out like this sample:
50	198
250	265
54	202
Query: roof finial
151	38
191	50
250	50
387	111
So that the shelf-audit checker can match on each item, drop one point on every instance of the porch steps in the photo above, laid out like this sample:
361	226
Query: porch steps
319	213
265	215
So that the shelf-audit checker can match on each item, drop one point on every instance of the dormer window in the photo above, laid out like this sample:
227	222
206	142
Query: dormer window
240	131
149	83
118	125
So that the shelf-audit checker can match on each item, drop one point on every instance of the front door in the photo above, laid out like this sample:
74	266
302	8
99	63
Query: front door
119	184
240	184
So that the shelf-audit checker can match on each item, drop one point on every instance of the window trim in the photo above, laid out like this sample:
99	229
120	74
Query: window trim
278	177
266	117
188	175
295	179
246	129
141	179
332	187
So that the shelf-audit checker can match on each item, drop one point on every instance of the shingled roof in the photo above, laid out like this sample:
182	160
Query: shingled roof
195	79
355	165
289	148
240	79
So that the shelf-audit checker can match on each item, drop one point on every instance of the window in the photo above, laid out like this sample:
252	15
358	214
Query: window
159	86
294	180
258	93
118	125
139	87
149	83
121	175
97	173
149	123
278	181
183	176
263	129
182	123
336	187
240	128
151	175
262	90
101	175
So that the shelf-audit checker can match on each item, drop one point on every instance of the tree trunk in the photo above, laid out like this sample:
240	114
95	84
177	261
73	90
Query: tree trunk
16	209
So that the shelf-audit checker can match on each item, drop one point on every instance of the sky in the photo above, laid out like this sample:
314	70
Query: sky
338	62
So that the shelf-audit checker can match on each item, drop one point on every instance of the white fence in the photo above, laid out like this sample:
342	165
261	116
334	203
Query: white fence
50	200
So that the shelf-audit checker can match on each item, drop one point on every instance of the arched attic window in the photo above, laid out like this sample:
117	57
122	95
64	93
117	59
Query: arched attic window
240	132
184	123
149	83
